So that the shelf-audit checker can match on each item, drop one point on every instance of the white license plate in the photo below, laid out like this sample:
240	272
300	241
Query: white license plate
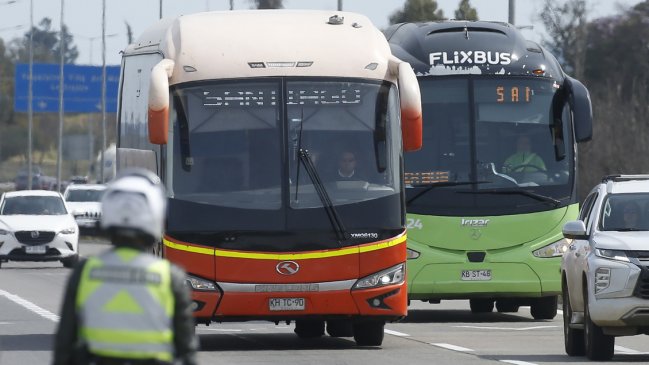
286	304
471	275
35	249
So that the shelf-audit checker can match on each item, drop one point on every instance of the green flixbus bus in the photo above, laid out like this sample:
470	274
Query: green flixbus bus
496	178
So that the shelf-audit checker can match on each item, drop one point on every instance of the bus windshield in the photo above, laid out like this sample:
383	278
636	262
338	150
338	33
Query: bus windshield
236	147
486	137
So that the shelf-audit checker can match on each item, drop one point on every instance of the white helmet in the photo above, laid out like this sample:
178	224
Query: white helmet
134	201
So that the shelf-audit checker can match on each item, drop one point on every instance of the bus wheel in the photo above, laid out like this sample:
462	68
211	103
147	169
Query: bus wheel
544	307
340	328
481	305
573	338
369	333
308	328
507	306
598	346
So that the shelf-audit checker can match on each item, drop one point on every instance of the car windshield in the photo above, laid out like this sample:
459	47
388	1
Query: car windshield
84	195
33	205
625	212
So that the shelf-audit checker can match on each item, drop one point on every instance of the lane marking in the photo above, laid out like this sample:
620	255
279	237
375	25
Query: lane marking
625	350
221	329
517	362
30	306
452	347
395	333
507	328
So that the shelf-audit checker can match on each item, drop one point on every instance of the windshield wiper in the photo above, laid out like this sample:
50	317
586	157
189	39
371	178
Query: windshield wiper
539	197
336	223
429	187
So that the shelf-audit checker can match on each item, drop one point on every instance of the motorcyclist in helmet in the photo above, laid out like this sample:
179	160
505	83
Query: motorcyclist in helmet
127	306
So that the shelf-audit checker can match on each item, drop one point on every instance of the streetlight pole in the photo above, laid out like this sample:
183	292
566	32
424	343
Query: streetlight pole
103	87
59	158
160	9
512	11
340	5
30	95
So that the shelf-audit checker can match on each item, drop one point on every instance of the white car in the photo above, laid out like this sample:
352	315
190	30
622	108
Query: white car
84	201
605	267
35	225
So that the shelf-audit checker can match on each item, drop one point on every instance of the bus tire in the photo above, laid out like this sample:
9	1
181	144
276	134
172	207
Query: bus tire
598	346
481	305
309	328
544	307
369	333
573	338
340	328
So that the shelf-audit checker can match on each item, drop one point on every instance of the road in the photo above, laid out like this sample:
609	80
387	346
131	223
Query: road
446	333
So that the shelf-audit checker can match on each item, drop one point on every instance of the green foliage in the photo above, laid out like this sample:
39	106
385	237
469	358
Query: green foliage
46	45
417	11
465	11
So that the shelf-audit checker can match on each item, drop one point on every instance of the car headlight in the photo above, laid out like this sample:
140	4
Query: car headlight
4	232
69	230
412	254
394	275
612	254
554	249
199	284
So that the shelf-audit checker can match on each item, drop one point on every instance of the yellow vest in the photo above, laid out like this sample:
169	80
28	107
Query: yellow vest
126	304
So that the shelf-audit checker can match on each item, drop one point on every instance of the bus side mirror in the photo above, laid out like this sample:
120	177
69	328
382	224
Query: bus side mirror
582	109
159	102
411	116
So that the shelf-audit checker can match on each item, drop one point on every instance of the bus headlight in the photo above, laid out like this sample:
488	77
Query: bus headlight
200	284
394	275
554	249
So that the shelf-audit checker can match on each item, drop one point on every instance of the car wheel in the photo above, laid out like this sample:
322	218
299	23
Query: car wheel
573	338
340	328
369	333
305	328
481	305
544	307
598	346
69	262
507	306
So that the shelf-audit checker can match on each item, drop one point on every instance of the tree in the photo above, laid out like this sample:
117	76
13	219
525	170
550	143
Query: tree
46	45
268	4
466	12
417	11
567	26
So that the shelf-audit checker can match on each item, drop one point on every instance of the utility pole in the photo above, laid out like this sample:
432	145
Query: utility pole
340	5
512	11
30	96
59	157
160	9
103	87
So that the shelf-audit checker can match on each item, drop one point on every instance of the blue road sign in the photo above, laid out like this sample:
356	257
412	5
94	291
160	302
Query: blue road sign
81	86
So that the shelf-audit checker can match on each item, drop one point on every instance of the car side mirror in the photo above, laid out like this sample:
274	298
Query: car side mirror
574	230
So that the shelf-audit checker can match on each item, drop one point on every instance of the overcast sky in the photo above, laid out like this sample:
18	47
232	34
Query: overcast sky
83	17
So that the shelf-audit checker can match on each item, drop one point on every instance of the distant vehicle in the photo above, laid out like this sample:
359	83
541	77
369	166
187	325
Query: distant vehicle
35	225
84	201
79	180
22	177
605	268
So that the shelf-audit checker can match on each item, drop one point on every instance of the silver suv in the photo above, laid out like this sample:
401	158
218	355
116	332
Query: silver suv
605	268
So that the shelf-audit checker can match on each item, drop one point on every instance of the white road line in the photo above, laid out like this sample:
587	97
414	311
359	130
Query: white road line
395	333
452	347
624	350
517	362
30	306
220	329
507	328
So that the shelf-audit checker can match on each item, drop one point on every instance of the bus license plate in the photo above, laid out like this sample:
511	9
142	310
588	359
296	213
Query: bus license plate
35	249
286	304
476	275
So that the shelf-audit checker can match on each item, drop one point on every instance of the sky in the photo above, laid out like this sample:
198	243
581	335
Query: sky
84	17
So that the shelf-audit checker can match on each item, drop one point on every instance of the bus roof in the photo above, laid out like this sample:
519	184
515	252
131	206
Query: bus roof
258	43
470	47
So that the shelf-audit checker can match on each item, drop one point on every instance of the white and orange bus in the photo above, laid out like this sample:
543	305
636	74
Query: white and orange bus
245	116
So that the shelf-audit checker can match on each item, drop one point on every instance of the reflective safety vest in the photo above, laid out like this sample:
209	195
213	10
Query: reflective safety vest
126	306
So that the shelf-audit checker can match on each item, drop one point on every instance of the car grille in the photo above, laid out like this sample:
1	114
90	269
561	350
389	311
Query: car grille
34	237
642	287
